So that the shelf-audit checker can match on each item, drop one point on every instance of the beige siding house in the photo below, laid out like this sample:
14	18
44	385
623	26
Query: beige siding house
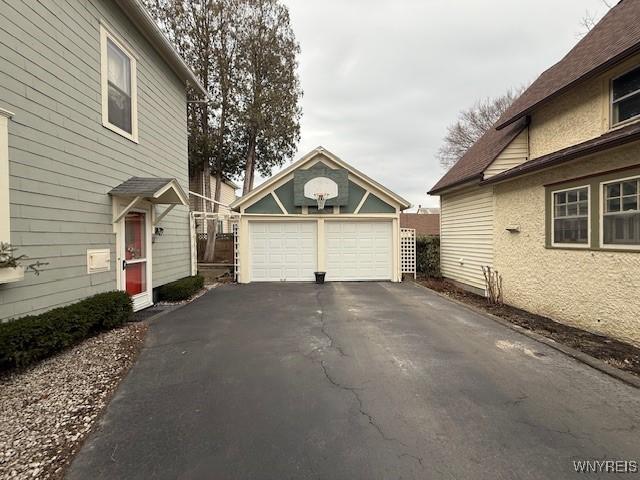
199	204
558	180
466	235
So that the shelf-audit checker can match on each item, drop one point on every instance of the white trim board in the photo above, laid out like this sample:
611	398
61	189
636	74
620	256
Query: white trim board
309	157
106	34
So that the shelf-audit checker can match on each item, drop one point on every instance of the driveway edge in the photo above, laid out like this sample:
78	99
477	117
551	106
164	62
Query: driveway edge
593	362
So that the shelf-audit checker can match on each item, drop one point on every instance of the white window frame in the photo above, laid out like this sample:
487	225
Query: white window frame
5	207
106	34
611	101
579	246
616	246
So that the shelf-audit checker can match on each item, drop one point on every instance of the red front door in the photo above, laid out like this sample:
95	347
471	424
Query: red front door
135	254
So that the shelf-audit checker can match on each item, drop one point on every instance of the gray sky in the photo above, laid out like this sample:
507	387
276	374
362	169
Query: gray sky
383	79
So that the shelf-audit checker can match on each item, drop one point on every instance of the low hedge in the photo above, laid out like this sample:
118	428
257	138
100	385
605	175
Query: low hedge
32	338
428	256
182	289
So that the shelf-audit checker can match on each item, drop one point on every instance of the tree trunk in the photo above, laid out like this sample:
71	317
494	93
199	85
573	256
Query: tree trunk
250	166
216	206
209	251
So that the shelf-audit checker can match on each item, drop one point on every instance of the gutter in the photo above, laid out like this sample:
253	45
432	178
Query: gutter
138	14
559	158
459	183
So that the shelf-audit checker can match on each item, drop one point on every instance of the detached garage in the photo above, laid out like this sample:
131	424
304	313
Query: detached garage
320	214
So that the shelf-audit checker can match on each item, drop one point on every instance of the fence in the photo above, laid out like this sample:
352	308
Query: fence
408	251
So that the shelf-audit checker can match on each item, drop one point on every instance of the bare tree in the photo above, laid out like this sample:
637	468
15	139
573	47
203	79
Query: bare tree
590	19
472	124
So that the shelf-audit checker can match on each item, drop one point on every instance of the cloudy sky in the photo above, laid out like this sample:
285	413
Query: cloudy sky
383	79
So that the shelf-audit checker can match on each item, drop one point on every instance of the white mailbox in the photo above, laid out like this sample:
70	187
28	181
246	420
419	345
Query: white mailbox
98	260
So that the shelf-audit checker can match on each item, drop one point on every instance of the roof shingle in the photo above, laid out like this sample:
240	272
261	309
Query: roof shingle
479	156
614	38
140	186
614	138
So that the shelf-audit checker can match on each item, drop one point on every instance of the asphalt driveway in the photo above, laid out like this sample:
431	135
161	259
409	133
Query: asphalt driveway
353	381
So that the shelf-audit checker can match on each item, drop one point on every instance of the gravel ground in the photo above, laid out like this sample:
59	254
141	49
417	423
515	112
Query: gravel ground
47	410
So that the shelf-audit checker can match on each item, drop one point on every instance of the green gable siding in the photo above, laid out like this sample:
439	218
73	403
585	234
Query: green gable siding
356	192
285	194
62	160
301	177
320	166
266	204
324	211
374	204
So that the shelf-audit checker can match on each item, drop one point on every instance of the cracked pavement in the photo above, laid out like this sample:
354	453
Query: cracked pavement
353	381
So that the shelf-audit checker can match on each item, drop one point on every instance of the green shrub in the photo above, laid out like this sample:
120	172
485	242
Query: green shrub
428	256
32	338
182	289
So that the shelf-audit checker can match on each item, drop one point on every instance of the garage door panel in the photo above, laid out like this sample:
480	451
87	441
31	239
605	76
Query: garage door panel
283	251
358	250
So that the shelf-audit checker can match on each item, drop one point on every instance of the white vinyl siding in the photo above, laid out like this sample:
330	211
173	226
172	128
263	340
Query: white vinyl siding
227	196
516	153
466	235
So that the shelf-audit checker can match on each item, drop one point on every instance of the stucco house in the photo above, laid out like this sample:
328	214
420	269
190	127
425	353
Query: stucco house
550	197
93	153
284	236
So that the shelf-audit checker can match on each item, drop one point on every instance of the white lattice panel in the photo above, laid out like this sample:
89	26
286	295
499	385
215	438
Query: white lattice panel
408	250
236	251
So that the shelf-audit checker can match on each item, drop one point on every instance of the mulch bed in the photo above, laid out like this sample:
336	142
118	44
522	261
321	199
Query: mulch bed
617	354
46	411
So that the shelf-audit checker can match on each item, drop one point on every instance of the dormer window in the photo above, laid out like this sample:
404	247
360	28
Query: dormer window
625	97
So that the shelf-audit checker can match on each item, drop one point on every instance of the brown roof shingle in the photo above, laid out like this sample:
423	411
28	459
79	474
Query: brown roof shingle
614	38
614	138
479	156
423	223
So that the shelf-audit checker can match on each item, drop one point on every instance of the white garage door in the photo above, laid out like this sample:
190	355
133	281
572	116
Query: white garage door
283	251
358	250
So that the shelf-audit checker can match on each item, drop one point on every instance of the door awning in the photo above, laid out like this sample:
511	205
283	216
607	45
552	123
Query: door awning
155	190
162	191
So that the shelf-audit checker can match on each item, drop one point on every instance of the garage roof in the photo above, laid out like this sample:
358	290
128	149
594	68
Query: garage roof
309	157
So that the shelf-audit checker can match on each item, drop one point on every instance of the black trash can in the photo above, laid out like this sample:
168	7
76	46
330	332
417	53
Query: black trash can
320	277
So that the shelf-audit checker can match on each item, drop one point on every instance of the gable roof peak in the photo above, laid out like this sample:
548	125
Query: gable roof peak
306	159
613	39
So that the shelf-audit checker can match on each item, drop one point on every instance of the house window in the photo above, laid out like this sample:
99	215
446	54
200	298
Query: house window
5	231
119	102
621	213
571	217
220	226
625	97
